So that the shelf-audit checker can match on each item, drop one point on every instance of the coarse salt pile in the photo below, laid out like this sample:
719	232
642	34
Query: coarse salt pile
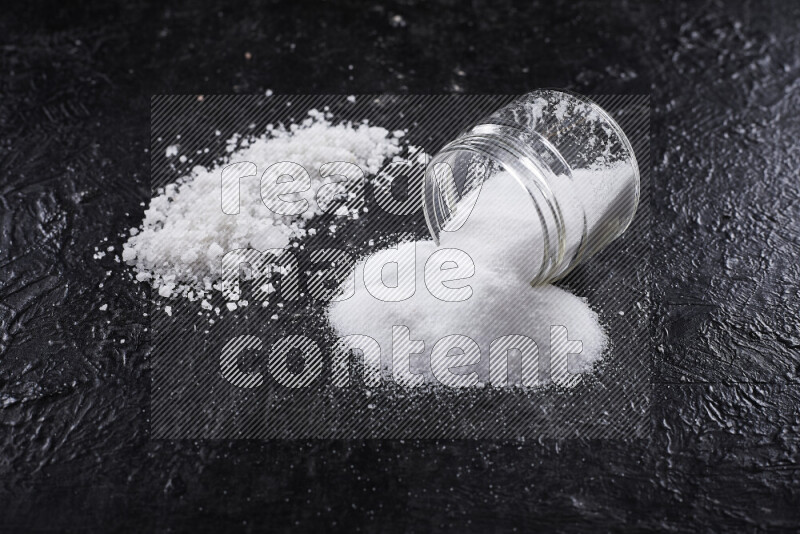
184	234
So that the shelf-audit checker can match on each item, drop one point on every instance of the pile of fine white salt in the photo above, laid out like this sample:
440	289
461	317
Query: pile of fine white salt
500	236
184	234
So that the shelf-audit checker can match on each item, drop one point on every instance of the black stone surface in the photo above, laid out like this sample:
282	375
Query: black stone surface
723	452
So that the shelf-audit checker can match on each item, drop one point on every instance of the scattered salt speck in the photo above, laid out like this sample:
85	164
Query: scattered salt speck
269	92
231	306
168	310
182	159
104	307
351	99
171	151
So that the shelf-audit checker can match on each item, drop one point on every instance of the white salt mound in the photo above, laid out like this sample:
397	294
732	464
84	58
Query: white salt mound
185	232
500	236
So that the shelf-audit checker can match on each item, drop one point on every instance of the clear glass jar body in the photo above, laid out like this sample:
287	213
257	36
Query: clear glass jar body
566	153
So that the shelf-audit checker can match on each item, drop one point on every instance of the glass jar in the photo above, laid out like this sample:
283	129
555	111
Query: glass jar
567	154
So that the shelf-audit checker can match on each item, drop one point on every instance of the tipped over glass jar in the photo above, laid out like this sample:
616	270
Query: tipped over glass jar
567	154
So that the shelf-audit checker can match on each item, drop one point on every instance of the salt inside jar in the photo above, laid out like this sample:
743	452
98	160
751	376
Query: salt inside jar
569	157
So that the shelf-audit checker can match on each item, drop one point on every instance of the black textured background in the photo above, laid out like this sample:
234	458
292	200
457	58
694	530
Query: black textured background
74	110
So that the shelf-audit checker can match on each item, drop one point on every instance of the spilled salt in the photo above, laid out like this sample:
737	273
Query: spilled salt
179	245
500	236
184	234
